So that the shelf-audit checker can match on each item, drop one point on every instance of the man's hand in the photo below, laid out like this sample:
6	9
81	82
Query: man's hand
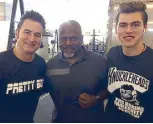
86	100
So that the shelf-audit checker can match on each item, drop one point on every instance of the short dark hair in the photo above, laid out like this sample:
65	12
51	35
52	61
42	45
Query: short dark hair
133	6
33	15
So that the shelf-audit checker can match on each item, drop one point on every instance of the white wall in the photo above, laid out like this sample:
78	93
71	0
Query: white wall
4	31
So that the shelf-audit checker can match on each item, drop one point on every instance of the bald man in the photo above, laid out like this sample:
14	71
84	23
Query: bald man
75	71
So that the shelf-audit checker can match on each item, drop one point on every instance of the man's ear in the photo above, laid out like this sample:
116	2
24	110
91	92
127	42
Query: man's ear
116	29
16	34
145	28
81	39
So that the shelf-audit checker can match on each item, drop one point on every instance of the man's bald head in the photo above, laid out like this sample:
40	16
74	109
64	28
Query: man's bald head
74	25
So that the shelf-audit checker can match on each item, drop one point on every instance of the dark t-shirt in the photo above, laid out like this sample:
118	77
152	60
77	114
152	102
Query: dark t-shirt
130	83
21	84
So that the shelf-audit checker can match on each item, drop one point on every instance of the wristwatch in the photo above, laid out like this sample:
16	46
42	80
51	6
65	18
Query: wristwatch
97	97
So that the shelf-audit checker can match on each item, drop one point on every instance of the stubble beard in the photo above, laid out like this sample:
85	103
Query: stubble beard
68	55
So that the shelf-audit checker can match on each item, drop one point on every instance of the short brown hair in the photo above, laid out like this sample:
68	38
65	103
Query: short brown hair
130	7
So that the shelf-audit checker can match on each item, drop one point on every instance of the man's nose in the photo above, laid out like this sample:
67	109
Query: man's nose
129	29
32	37
68	41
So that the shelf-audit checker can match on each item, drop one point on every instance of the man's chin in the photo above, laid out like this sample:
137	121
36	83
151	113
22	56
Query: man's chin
30	51
68	55
128	45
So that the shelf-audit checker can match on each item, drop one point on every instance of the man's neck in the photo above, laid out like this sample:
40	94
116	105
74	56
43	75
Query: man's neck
135	50
20	54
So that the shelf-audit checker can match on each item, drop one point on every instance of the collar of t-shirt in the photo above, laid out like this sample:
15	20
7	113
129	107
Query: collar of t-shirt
137	57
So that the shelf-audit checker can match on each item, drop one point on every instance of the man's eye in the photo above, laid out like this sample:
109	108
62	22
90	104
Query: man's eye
63	38
73	38
26	32
122	26
38	35
136	25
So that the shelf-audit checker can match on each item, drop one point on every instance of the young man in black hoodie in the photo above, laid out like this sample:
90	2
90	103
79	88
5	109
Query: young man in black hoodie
130	65
130	69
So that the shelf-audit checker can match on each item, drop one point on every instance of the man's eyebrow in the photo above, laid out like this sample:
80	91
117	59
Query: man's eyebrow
27	30
34	32
123	23
136	22
130	22
39	33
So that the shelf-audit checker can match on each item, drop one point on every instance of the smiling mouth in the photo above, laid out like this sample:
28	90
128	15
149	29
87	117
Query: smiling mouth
129	37
68	49
31	45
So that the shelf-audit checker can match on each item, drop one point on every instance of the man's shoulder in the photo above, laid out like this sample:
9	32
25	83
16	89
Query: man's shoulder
39	58
54	59
97	60
6	52
5	59
97	56
5	55
114	49
150	50
148	54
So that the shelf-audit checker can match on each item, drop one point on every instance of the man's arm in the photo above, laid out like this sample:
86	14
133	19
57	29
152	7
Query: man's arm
49	88
88	100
